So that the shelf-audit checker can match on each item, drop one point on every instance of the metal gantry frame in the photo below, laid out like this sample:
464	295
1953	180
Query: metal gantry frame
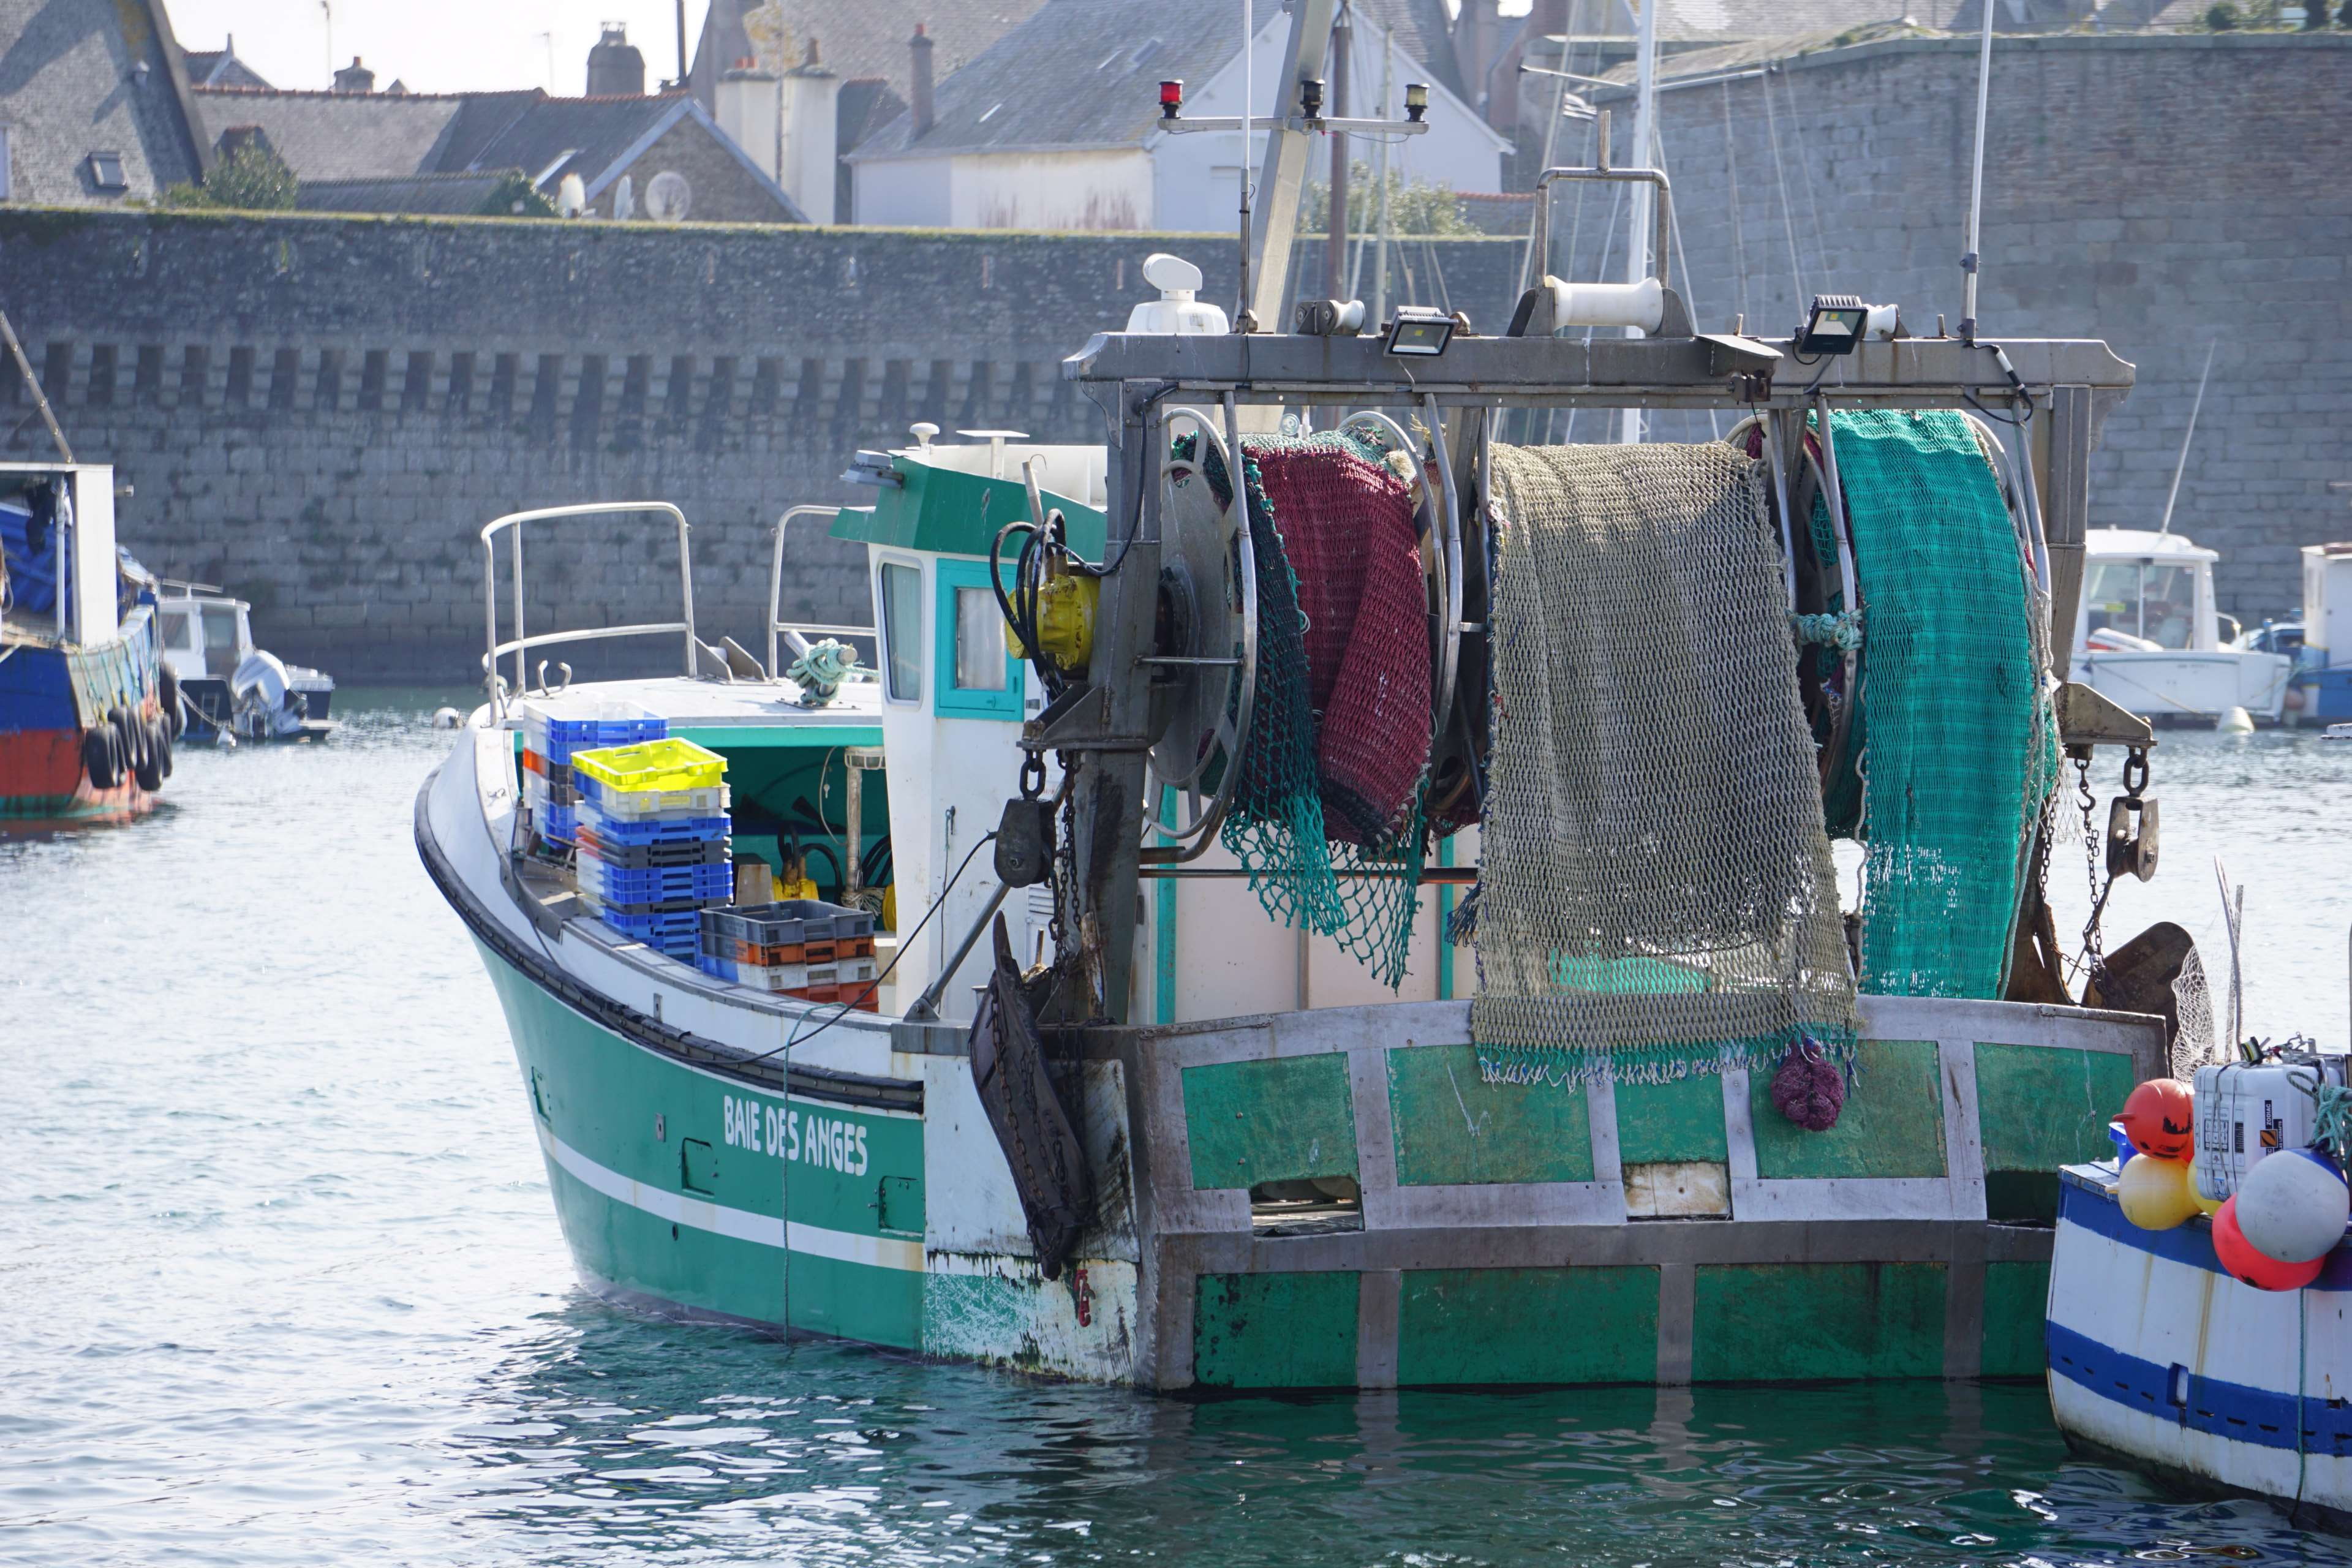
1105	729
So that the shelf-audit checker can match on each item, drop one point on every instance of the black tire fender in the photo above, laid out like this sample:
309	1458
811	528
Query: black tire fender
167	692
97	757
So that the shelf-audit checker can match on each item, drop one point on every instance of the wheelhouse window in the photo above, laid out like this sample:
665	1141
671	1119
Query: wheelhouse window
902	630
979	677
2140	598
978	641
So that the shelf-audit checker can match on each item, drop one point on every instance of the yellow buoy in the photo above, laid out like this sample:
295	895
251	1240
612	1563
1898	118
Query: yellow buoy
2156	1194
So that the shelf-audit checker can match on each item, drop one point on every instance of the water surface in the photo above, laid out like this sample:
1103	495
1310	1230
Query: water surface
281	1281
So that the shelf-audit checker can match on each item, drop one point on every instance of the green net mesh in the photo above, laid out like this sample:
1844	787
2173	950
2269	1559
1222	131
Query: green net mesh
1362	897
1955	742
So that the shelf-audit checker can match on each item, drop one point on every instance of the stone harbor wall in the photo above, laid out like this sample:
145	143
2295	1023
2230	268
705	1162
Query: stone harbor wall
2166	193
321	412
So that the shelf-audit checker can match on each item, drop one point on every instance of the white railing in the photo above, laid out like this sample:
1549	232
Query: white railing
797	632
520	644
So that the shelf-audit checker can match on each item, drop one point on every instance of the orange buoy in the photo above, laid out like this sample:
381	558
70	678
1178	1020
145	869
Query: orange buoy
2160	1118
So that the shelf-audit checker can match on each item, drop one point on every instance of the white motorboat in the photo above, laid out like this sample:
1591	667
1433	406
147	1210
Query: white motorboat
227	685
2148	638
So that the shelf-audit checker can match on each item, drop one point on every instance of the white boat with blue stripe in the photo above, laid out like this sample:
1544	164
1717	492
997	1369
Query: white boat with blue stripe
2160	1358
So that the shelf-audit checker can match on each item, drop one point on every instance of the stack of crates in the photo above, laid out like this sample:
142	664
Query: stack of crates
553	730
801	947
652	839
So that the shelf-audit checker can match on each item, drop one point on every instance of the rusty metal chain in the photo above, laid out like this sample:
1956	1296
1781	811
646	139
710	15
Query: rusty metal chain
2095	958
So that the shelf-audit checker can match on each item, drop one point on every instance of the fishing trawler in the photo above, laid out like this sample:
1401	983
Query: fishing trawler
1360	905
86	709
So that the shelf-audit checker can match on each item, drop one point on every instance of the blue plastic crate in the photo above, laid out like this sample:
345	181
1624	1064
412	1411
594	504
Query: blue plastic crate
556	824
649	884
672	931
556	737
716	968
652	830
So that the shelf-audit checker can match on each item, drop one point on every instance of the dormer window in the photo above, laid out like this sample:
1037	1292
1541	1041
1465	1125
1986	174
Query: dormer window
106	173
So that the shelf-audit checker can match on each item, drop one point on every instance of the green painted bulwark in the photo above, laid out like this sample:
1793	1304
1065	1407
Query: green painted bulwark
1528	1325
1799	1321
2041	1108
1452	1127
1278	1120
2016	1308
1892	1126
1275	1331
1672	1123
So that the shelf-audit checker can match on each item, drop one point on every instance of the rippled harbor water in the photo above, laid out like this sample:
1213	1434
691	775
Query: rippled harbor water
280	1283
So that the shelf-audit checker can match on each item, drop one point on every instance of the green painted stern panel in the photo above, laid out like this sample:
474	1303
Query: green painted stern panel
2041	1108
1277	1120
1672	1123
2016	1311
1892	1126
1276	1331
1454	1127
1799	1321
1528	1325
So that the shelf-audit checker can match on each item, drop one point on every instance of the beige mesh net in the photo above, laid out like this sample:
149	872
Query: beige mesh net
1657	895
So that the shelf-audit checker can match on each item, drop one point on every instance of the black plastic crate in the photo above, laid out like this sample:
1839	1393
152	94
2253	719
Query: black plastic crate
793	920
638	857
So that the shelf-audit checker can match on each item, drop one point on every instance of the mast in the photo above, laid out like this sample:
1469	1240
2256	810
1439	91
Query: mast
1976	186
1380	252
1637	243
2186	436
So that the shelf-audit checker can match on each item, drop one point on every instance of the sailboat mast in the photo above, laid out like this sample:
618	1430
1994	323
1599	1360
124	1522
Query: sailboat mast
2186	436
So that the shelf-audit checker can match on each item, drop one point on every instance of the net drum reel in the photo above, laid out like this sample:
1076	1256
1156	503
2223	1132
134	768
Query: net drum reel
1454	758
1204	660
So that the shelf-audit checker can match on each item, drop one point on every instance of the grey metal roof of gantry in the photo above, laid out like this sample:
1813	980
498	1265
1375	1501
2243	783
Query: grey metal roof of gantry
1085	73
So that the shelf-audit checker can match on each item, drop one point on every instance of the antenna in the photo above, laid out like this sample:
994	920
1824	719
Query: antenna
1976	187
2174	494
2233	917
1645	120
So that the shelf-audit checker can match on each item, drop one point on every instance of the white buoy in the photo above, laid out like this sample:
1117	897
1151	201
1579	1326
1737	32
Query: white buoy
448	718
2292	1206
2236	722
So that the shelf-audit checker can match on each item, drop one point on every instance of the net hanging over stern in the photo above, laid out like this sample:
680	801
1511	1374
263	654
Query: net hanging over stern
1656	893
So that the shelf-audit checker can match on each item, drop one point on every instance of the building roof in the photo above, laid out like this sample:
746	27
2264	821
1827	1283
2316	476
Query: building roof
343	135
355	138
858	39
221	67
79	77
460	193
1085	73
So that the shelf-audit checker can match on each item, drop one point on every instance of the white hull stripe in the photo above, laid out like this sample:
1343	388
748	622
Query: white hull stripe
739	1224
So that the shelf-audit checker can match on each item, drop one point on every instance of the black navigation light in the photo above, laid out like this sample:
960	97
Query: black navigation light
1310	98
1416	101
1419	332
1171	98
1834	325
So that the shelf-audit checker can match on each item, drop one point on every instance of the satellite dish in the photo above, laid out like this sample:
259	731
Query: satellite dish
668	198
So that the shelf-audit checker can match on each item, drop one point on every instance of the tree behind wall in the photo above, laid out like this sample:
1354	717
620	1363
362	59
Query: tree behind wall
251	178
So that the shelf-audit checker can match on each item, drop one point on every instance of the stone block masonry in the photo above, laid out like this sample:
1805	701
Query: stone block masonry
322	411
2161	192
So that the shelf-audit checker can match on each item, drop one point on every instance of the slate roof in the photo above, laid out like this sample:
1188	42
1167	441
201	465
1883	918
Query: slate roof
1085	73
69	87
221	67
460	193
859	38
343	135
594	132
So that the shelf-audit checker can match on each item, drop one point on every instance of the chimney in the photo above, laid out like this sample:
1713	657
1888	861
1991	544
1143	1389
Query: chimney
615	68
356	77
919	83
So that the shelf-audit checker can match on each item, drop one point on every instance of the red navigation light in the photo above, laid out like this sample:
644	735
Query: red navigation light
1171	99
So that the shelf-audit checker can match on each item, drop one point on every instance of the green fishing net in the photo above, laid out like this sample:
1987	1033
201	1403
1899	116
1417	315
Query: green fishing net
1955	744
1363	897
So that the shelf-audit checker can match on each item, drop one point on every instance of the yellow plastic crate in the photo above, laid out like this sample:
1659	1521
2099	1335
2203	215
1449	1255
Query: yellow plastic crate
652	765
